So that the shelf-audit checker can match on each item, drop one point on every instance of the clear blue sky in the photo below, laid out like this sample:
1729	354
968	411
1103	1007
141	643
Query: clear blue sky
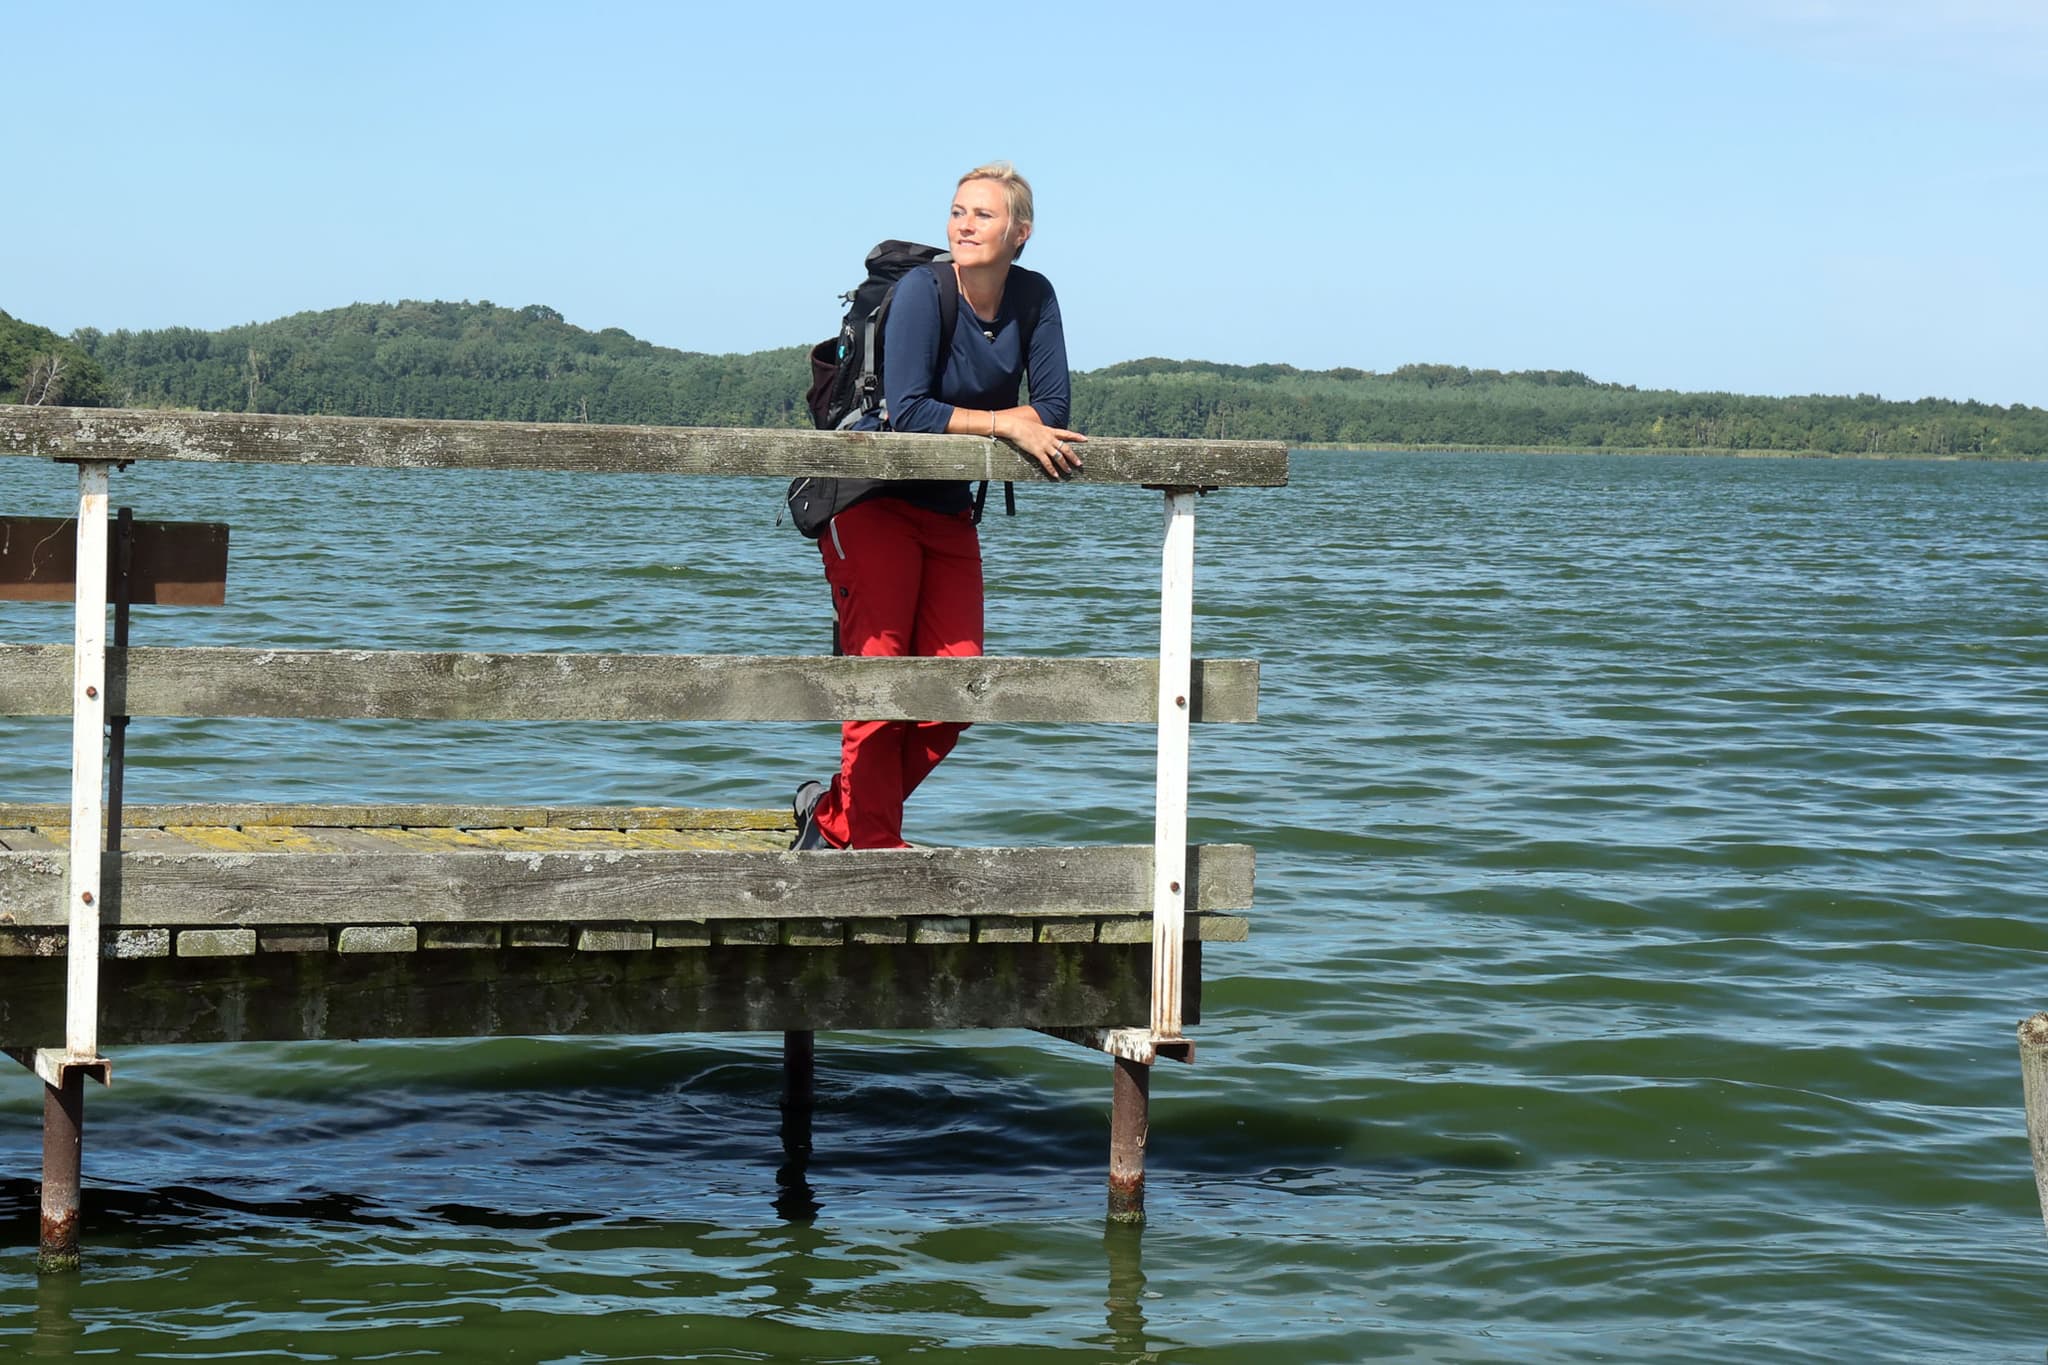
1767	196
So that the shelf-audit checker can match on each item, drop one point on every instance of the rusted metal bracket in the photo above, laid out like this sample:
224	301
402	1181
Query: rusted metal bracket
1132	1044
54	1065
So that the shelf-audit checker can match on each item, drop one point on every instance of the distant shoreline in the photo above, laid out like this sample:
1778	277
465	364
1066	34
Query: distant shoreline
1388	448
480	362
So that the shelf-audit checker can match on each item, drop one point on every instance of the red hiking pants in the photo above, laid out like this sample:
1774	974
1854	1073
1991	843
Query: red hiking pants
905	581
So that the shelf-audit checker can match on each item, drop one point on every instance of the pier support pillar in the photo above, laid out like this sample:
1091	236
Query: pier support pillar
1129	1120
63	1133
799	1069
795	1200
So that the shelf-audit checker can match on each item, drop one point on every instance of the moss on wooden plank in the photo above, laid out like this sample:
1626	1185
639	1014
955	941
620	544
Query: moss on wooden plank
44	816
377	938
214	943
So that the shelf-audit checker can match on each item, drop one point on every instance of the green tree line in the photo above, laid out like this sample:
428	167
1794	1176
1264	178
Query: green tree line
1446	405
482	361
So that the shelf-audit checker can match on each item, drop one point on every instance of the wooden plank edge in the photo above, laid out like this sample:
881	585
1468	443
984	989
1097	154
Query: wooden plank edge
275	887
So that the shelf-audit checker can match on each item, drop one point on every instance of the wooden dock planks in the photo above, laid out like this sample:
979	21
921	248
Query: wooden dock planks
246	944
277	922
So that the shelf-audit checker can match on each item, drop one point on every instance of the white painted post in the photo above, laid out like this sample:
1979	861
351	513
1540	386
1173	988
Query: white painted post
88	765
1170	828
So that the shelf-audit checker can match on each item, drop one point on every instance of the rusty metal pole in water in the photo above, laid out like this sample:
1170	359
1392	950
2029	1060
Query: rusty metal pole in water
63	1129
2034	1084
1129	1121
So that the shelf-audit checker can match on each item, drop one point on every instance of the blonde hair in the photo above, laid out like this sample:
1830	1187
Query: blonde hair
1016	189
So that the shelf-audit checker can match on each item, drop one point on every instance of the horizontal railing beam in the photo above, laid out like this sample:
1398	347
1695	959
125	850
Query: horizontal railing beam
231	890
399	685
404	443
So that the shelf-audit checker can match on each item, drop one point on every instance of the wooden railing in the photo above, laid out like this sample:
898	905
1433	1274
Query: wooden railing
1049	917
91	682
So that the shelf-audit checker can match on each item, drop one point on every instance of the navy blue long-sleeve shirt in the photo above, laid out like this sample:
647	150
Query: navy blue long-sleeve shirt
982	372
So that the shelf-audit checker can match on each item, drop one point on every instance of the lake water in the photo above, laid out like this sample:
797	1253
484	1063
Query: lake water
1652	861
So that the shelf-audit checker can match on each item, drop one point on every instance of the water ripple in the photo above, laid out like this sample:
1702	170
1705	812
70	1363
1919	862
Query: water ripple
1650	855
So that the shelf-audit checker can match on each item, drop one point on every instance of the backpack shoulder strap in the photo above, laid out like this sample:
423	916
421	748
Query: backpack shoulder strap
1028	308
949	306
1034	304
1027	322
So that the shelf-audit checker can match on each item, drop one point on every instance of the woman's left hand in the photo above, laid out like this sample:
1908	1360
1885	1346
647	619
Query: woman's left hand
1054	448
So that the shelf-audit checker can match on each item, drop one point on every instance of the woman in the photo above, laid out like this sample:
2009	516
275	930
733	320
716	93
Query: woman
904	564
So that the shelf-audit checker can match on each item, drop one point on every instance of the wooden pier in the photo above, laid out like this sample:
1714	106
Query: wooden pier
228	923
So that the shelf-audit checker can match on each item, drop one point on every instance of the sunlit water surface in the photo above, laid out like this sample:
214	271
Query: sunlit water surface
1651	856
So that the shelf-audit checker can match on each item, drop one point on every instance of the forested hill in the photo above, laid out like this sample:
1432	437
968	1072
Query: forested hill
38	366
477	360
461	360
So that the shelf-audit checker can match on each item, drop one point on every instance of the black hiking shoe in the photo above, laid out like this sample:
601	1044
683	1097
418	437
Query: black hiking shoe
804	808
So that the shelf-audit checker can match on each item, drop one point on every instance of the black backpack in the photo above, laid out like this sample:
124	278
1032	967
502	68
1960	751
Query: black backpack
846	371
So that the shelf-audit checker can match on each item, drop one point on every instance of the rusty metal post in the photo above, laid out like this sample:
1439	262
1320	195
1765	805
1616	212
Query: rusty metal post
1129	1122
63	1129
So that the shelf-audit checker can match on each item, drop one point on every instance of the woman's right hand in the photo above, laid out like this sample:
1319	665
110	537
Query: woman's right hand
1054	448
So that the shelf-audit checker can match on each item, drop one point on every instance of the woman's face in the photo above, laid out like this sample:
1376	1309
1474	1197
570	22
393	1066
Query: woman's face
981	231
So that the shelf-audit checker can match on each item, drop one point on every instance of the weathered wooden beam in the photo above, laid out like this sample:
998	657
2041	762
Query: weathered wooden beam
405	443
488	993
359	684
224	890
